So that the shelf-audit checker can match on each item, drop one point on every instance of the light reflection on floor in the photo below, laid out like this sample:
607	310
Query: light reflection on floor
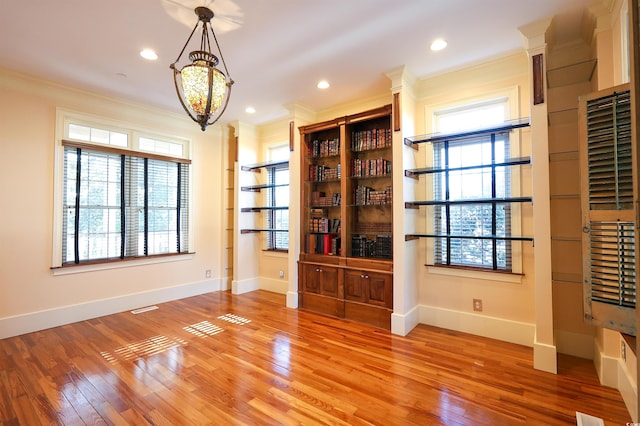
143	348
203	329
158	344
282	352
234	319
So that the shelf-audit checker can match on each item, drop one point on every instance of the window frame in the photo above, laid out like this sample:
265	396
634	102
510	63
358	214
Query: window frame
444	217
63	119
510	98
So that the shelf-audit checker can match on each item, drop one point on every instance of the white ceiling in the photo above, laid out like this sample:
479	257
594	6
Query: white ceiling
278	52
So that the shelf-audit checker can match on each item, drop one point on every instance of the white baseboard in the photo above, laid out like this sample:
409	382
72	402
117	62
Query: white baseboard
606	367
628	389
402	324
545	357
35	321
612	372
245	286
481	325
292	299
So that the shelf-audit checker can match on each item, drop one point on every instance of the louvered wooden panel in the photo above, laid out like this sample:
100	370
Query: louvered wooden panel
607	194
609	152
613	278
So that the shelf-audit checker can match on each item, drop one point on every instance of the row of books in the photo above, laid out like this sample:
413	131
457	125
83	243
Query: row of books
374	228
370	139
318	173
319	198
381	247
324	224
376	167
323	244
324	148
366	196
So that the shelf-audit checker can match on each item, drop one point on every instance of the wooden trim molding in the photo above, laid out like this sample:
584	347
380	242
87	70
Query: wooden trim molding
291	135
396	112
538	79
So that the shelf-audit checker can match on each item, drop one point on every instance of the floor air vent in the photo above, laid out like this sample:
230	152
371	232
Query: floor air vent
142	310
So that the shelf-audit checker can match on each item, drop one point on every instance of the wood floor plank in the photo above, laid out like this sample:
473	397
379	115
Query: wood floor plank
248	360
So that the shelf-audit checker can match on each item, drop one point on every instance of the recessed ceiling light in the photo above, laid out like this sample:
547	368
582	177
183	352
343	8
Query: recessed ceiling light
438	44
149	54
250	110
323	84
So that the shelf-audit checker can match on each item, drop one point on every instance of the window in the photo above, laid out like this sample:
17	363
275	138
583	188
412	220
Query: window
278	197
118	203
467	182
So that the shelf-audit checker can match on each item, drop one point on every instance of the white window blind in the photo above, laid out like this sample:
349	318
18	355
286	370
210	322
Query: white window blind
471	175
119	204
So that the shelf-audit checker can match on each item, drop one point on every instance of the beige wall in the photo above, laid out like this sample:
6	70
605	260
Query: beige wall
31	297
271	263
508	307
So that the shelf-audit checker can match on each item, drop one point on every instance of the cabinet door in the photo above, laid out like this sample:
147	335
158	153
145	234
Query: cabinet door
380	289
328	277
320	279
310	279
368	287
354	286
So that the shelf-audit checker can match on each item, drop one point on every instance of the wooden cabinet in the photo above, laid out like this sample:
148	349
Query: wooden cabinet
346	259
320	279
368	287
320	288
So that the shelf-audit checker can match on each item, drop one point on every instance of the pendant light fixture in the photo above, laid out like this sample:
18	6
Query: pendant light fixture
202	88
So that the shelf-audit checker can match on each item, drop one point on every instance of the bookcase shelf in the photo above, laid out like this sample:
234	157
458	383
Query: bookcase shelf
346	217
415	173
505	127
489	167
258	188
257	168
252	231
259	209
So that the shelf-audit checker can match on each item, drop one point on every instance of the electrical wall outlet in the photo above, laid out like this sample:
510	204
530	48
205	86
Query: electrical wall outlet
281	273
207	273
623	350
477	305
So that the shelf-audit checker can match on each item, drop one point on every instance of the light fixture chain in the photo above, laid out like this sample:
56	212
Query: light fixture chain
224	64
204	40
185	45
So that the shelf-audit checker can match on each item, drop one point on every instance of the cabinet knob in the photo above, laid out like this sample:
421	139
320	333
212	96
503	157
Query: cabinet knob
364	276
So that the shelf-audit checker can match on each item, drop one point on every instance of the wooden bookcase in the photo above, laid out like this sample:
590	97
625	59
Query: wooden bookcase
346	259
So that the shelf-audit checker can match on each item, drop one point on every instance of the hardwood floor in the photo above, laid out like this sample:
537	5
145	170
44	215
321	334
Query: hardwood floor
224	359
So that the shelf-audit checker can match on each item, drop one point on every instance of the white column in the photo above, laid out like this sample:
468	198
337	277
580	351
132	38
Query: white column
544	348
406	258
